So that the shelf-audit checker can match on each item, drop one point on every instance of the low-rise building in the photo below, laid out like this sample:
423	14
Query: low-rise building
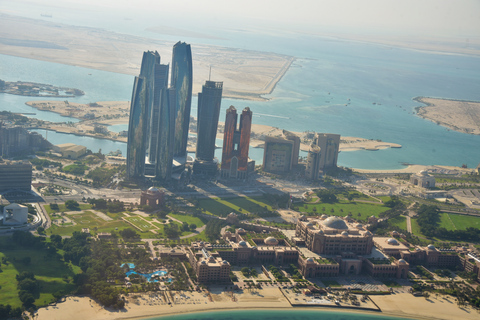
70	150
15	214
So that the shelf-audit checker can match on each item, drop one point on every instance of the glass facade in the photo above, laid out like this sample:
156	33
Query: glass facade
136	130
161	82
209	102
159	116
181	81
165	129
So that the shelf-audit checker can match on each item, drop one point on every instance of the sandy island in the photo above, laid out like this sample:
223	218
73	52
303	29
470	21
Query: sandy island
459	115
246	74
108	113
144	306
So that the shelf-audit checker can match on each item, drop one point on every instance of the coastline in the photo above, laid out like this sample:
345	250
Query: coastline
247	74
116	112
440	308
458	115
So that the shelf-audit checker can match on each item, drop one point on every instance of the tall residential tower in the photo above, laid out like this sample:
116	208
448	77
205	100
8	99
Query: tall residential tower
236	144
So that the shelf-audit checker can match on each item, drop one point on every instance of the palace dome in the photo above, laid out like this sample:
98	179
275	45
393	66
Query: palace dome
242	244
392	242
401	261
335	223
271	241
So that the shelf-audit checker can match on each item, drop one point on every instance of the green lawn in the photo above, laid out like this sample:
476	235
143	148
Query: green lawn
188	219
223	206
62	208
399	221
365	209
87	219
140	223
49	271
451	221
416	228
331	283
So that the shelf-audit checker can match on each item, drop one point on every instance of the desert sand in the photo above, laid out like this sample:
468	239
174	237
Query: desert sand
398	304
458	115
246	74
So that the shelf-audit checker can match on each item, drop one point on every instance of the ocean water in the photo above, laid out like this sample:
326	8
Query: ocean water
337	86
276	315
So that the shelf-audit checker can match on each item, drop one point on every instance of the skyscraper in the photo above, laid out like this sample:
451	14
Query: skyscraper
181	81
136	130
209	101
159	116
236	144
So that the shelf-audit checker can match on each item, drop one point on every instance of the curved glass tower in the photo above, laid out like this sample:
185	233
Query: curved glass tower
136	130
181	81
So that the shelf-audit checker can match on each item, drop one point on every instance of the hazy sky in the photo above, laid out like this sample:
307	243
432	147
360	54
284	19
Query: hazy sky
407	17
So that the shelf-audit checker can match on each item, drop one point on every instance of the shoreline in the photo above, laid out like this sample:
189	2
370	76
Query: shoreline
454	114
247	74
116	112
440	308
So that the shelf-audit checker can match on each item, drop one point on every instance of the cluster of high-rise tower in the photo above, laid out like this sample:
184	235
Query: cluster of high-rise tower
160	115
160	118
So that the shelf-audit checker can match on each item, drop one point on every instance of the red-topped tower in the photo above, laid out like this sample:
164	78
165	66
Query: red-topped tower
236	143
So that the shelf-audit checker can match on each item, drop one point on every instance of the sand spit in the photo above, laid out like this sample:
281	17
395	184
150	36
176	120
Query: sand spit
459	115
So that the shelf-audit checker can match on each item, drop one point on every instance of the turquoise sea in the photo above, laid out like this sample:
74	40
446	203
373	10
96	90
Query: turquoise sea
337	86
276	315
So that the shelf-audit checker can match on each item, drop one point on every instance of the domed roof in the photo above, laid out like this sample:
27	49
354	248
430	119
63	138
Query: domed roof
320	231
172	251
153	189
240	230
368	233
242	243
359	226
401	261
423	172
431	247
271	241
310	260
211	259
392	242
203	262
335	223
323	217
395	233
225	262
310	225
345	234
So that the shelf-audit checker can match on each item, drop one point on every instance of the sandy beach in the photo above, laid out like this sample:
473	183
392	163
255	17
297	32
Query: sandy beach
458	115
398	304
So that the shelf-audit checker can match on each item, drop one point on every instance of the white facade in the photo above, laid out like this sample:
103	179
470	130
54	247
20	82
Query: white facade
15	214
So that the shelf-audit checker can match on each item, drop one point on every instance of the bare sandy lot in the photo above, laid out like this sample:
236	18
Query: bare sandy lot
246	74
458	115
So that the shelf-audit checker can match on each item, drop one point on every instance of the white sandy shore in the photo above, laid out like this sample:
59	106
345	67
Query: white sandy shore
414	168
458	115
399	304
